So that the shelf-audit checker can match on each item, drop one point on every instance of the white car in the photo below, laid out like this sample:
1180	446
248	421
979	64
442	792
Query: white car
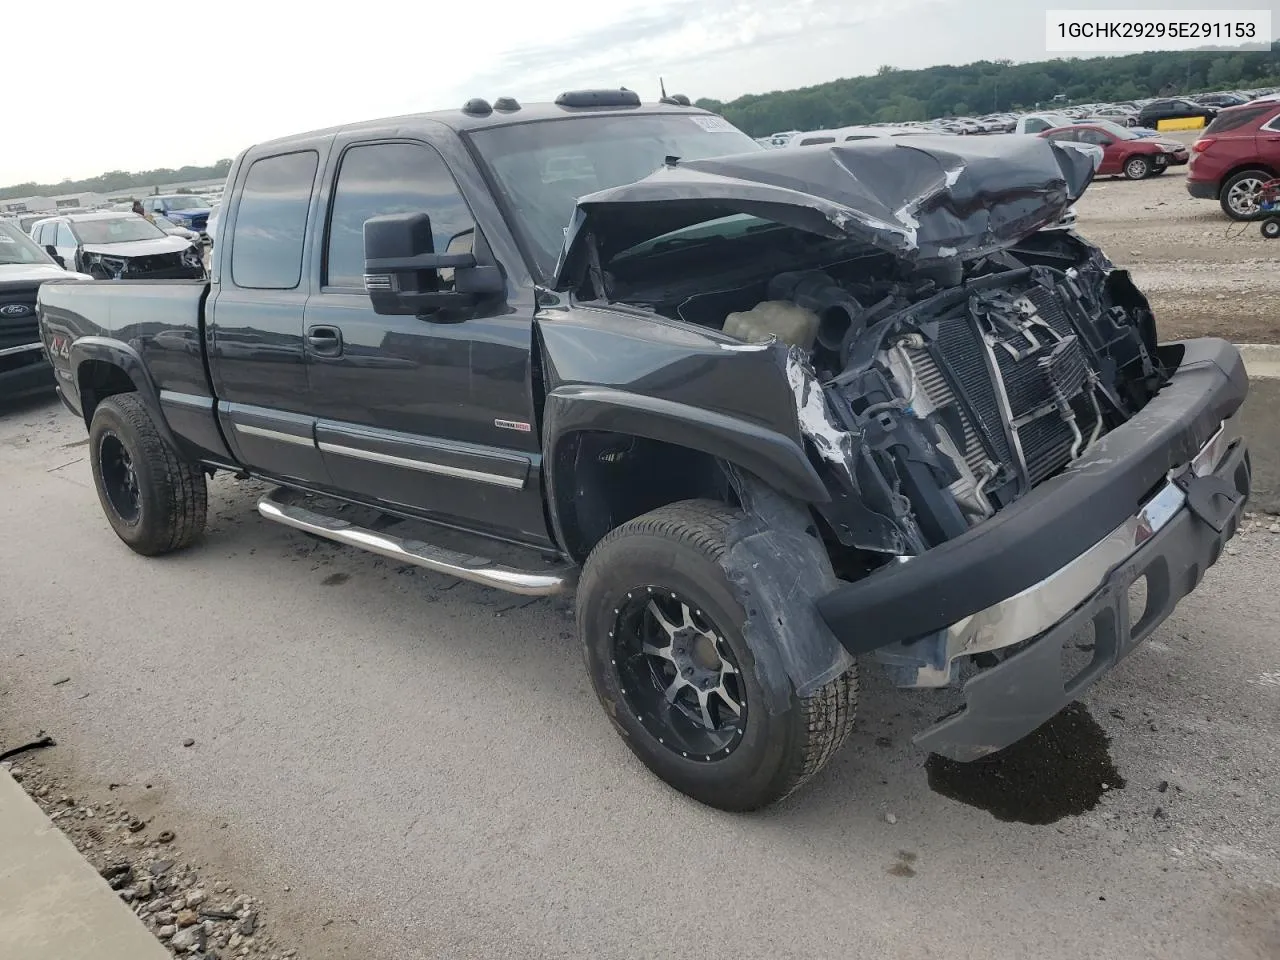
809	138
1039	122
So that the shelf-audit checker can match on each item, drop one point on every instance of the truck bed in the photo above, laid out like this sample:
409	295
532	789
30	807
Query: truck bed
155	329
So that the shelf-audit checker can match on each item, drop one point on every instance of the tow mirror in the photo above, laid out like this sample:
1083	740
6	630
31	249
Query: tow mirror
403	274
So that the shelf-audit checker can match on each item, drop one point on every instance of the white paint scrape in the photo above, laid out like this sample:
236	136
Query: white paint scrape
830	442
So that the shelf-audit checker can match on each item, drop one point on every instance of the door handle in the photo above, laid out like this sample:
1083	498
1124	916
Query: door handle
325	341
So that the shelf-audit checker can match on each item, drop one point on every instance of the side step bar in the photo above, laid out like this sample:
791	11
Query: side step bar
529	583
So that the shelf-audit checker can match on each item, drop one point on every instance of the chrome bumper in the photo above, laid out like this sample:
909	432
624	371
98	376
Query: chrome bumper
1044	604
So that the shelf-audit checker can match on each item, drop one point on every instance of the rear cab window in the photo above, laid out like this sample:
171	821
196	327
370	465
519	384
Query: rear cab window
271	221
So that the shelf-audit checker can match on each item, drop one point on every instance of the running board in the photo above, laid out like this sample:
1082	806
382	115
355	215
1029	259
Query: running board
529	583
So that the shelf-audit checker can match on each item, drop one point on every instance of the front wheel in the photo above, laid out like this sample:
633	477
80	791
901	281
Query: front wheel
154	500
662	635
1137	168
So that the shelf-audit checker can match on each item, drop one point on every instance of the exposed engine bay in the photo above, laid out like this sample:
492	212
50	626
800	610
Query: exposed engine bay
934	395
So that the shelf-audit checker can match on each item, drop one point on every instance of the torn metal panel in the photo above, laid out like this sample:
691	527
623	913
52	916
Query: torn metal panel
778	568
919	198
829	441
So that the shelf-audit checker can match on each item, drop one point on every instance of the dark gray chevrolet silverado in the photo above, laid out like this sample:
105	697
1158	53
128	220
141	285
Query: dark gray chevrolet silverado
768	411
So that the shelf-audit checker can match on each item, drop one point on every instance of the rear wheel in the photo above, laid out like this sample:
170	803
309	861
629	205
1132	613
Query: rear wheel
662	636
1137	168
154	500
1241	194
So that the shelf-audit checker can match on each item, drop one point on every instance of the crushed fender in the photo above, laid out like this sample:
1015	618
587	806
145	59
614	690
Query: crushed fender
778	567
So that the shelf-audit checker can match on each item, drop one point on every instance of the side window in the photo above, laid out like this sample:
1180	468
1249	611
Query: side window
271	222
1094	136
1062	136
1035	125
65	237
382	178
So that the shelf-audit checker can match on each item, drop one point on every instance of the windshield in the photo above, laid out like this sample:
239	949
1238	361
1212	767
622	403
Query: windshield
542	168
118	230
17	247
1115	129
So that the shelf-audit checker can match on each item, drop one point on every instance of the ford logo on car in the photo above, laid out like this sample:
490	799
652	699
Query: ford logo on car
14	310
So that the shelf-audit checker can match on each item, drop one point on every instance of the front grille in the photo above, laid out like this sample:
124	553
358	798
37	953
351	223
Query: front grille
18	325
1027	407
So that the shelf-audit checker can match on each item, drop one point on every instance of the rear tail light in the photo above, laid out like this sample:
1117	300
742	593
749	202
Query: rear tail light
1203	144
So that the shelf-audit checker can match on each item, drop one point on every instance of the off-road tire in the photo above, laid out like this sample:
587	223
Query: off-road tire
171	492
1224	193
679	546
1137	168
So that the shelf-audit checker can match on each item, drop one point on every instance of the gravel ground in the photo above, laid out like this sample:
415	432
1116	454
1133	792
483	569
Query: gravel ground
397	765
1204	274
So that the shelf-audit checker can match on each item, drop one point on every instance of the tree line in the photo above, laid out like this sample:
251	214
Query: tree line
117	180
992	86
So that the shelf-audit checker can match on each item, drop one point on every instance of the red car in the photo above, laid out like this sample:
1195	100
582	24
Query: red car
1235	156
1124	153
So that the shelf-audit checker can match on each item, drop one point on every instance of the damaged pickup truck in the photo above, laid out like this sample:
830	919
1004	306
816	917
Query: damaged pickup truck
771	412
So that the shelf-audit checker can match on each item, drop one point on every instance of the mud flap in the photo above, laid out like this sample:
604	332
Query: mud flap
778	569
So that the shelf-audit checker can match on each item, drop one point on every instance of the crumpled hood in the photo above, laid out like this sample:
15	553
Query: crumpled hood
920	198
139	248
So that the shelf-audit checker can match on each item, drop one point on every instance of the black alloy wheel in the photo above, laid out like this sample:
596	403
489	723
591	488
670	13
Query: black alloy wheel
119	478
678	675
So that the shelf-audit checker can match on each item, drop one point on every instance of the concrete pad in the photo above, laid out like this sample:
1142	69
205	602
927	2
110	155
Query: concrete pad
1260	423
1261	360
53	903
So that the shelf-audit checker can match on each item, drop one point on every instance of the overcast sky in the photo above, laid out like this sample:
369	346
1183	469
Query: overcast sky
163	84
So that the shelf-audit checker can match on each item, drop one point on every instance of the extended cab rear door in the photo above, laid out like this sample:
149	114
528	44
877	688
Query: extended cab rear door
254	317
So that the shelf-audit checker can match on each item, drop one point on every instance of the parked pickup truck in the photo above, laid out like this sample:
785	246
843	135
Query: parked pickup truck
771	412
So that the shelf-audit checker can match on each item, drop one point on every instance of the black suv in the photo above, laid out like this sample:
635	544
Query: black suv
1174	108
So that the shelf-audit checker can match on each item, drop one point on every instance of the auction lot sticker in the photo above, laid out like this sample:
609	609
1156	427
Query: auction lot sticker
1139	31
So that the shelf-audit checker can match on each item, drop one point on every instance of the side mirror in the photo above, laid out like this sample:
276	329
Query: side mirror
52	251
402	271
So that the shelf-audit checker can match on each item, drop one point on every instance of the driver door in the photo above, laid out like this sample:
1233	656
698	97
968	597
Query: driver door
429	417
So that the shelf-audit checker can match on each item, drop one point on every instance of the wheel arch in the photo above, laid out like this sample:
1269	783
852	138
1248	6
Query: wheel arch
1269	169
104	368
611	456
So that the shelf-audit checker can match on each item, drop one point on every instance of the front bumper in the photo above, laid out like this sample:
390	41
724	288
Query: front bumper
24	370
1158	496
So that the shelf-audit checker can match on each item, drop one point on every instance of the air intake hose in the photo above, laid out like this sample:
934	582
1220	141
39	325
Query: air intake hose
837	309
